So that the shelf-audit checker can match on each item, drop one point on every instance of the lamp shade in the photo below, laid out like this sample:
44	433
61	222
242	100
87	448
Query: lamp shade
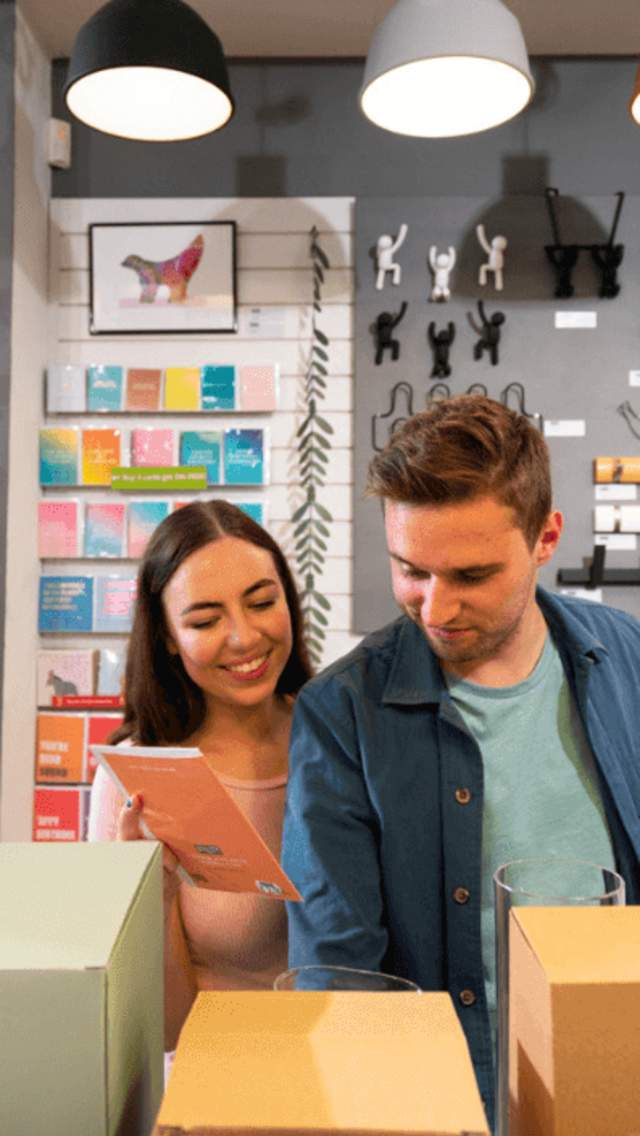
634	105
441	68
152	70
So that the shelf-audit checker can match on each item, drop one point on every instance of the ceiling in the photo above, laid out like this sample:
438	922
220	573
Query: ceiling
283	28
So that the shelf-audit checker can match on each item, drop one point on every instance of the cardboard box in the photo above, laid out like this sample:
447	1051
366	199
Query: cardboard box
81	989
291	1062
574	1062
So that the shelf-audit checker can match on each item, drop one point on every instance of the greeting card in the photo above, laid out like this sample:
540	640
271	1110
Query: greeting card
99	729
101	451
104	388
59	455
253	509
66	389
58	528
64	672
218	391
144	387
65	603
115	597
110	670
60	813
154	446
142	518
202	447
60	747
104	529
258	387
182	388
244	457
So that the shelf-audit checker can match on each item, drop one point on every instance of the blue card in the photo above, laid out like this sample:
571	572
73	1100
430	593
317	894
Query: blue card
59	455
202	447
244	457
253	509
104	388
115	598
218	390
65	603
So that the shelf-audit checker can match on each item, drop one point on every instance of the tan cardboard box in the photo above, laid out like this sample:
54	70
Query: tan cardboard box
81	989
574	1063
290	1062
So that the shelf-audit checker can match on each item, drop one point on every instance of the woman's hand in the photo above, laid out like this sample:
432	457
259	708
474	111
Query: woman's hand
129	829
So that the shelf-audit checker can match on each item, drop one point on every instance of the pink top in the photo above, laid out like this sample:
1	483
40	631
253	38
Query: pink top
236	942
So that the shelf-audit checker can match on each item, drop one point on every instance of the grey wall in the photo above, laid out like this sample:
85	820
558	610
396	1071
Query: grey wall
7	150
298	131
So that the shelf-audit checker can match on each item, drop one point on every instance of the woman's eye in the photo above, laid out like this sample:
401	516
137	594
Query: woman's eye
262	604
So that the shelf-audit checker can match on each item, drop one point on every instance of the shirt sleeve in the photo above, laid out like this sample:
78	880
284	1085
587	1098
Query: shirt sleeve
331	838
104	807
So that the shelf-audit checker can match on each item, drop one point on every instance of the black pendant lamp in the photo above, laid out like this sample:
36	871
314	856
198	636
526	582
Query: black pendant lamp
151	70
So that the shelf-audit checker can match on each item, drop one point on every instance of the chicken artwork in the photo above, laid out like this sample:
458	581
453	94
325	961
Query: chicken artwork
174	274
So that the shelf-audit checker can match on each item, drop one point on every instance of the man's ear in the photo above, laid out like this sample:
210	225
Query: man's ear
549	537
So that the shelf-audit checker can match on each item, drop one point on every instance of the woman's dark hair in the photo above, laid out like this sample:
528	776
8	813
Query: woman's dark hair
163	706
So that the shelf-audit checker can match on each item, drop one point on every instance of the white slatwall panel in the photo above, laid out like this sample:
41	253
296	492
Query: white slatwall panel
274	274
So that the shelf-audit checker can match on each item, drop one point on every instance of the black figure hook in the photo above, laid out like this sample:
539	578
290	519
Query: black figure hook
489	333
440	342
563	258
407	390
608	258
517	390
383	328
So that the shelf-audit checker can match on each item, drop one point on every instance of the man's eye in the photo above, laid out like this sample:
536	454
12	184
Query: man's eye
413	573
473	577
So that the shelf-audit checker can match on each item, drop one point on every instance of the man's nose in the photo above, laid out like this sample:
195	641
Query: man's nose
440	603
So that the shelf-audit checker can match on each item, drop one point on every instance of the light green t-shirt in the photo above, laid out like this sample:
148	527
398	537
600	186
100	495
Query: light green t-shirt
541	794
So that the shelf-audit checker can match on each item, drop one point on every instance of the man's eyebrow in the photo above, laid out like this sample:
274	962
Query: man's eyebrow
216	603
492	567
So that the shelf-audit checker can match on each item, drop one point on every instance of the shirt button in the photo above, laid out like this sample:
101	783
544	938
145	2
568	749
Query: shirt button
461	895
463	796
467	997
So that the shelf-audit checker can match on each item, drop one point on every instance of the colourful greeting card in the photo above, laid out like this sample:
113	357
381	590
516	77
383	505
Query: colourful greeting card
58	528
142	518
66	389
258	387
110	671
153	446
218	388
104	388
244	457
202	447
104	529
65	603
182	388
100	453
253	509
59	455
99	729
60	747
144	386
59	813
62	672
115	597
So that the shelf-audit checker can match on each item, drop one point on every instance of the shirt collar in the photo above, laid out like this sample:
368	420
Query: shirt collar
415	677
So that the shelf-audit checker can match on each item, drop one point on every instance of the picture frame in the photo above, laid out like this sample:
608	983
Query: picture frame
163	277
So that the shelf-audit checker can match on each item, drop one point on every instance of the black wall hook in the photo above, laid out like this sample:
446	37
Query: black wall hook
489	333
399	389
383	331
563	258
595	575
440	342
515	391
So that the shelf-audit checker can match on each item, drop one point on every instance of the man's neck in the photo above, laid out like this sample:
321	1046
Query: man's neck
514	662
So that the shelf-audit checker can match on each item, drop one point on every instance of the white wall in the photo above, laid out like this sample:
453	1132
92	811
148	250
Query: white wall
28	353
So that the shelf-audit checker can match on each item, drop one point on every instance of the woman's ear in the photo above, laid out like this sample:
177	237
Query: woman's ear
170	644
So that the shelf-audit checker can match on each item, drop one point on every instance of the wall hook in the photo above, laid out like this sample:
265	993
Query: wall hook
397	391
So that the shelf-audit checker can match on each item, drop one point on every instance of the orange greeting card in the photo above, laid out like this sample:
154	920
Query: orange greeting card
60	747
100	453
187	807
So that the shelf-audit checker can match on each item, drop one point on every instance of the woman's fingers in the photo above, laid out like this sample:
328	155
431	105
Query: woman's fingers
129	819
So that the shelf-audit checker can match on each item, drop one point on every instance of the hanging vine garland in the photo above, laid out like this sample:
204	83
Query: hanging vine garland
311	519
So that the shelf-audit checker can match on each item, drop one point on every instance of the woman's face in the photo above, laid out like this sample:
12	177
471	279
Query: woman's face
229	622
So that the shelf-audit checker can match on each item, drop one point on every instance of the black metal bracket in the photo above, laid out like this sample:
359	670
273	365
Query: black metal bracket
595	576
563	258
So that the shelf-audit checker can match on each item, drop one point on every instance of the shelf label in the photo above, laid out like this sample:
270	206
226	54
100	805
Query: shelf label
573	320
617	542
565	428
616	492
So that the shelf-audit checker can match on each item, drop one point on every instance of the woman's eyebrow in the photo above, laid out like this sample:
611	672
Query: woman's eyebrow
216	603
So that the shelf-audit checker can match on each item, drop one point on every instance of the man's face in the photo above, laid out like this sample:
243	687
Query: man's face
465	574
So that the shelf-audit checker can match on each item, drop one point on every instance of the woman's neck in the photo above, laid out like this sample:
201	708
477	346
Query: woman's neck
249	743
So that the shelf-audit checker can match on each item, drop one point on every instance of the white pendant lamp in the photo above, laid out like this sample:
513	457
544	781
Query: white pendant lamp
442	68
151	70
634	105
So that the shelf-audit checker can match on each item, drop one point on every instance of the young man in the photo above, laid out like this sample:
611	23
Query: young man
492	721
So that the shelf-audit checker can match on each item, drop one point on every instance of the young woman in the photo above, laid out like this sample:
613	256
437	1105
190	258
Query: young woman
215	658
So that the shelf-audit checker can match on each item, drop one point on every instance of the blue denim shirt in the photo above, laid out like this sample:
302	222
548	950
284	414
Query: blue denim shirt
375	837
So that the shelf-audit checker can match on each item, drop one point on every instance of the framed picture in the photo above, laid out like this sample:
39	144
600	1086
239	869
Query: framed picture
157	277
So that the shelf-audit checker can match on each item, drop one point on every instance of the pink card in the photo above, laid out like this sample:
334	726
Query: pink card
58	529
154	446
258	387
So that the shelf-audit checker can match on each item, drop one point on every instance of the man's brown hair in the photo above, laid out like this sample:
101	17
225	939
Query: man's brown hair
467	447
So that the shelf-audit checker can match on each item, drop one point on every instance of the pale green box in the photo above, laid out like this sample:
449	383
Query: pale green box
81	989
